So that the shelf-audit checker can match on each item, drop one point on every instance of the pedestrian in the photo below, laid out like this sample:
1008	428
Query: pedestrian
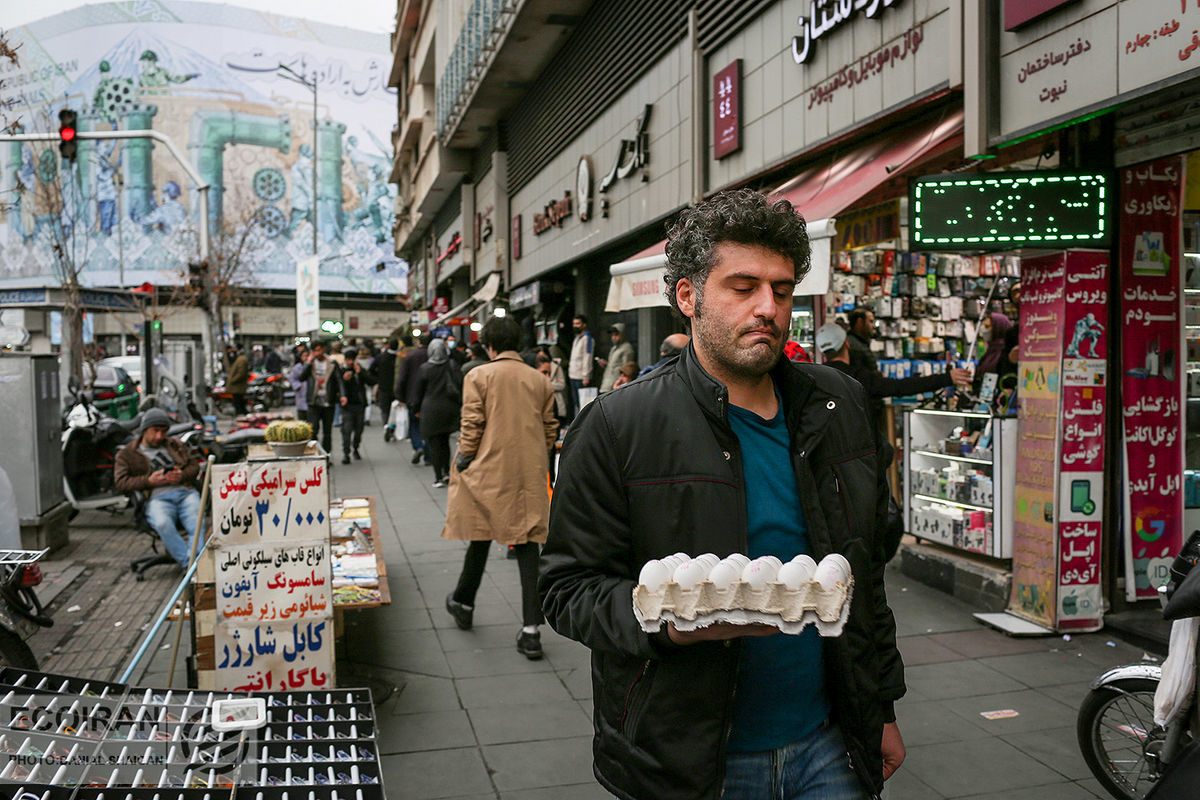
383	373
671	347
237	378
348	389
317	372
479	357
439	403
620	354
498	490
299	387
272	361
406	392
625	374
994	330
164	469
579	368
458	351
558	382
833	342
731	448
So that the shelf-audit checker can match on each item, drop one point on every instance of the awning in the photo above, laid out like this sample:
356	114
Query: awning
638	281
484	294
819	193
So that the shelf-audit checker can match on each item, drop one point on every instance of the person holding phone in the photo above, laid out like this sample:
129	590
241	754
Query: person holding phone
163	468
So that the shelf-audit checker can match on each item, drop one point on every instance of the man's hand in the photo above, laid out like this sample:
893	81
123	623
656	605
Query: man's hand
164	477
587	381
348	374
961	377
345	400
461	462
602	362
893	749
719	631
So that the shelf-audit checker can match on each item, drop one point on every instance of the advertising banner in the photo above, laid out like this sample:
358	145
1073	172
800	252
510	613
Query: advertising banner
308	296
1154	362
1035	561
274	594
215	80
1080	506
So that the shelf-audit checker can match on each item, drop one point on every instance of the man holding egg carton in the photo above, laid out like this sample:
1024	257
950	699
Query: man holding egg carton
735	453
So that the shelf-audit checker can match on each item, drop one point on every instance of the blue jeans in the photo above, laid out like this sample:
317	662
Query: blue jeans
167	513
815	767
414	435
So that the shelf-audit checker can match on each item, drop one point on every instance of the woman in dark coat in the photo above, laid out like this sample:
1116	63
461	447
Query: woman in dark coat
439	393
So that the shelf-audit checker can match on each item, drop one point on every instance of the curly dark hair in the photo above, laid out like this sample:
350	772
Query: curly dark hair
742	216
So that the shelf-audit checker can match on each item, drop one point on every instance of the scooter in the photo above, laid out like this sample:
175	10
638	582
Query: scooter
1121	743
21	613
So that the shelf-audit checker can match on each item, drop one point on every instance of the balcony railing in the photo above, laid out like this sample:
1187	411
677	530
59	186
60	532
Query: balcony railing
482	32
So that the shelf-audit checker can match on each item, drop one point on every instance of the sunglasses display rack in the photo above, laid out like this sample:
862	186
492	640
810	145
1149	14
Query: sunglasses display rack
69	738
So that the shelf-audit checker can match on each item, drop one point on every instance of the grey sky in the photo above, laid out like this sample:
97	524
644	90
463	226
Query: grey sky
377	16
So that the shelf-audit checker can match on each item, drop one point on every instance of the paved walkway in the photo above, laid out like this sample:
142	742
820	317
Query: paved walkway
463	715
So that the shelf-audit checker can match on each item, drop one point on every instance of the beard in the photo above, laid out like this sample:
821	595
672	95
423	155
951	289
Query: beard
723	345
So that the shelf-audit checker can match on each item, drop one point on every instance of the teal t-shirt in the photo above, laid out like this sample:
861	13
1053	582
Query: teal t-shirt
781	680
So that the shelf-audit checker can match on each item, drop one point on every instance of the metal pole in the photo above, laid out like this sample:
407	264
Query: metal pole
315	203
192	559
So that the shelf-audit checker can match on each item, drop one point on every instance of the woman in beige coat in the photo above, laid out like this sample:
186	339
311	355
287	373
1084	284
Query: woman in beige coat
498	490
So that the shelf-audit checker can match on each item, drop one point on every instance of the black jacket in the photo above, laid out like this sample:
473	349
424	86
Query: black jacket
353	389
383	374
864	369
655	468
439	397
406	378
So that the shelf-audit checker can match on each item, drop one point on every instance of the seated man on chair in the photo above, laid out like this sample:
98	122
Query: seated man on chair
163	468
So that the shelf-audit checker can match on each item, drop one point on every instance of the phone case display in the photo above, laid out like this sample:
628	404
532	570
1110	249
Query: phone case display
925	304
804	327
696	592
959	476
359	571
68	737
1191	332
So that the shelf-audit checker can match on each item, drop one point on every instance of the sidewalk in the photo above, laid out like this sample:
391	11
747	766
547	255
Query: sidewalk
463	715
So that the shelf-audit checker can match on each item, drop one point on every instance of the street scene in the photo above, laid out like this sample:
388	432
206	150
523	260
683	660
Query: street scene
653	400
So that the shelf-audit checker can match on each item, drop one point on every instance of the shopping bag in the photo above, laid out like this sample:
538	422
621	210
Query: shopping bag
586	395
398	418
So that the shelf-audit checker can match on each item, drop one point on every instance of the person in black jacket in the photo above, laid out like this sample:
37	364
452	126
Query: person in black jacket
438	406
729	448
834	344
349	389
383	373
406	392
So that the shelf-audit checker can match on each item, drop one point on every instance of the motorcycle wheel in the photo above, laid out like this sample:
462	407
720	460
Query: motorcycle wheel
14	652
1118	737
24	601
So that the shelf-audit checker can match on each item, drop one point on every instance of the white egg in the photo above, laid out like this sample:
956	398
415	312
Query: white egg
654	574
689	574
797	572
833	569
710	559
725	574
739	559
761	571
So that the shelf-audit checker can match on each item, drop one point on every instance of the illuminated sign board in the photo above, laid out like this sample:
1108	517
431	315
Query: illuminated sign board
1001	211
333	326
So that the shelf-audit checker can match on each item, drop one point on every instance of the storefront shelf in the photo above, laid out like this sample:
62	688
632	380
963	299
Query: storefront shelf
954	503
964	459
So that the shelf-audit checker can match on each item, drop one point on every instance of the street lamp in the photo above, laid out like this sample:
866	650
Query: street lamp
290	74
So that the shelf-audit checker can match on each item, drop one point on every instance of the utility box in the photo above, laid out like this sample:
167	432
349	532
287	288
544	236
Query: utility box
31	433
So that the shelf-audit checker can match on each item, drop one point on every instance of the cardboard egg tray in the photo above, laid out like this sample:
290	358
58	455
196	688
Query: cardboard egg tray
790	610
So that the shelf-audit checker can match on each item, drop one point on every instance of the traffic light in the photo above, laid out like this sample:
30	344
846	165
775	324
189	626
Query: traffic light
67	143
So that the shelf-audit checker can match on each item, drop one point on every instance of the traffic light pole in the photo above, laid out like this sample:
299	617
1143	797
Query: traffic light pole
200	390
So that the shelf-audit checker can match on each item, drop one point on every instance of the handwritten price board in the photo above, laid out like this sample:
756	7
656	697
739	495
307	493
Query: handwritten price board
273	578
274	657
272	582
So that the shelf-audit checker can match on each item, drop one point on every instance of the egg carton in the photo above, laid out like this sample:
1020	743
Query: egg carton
790	610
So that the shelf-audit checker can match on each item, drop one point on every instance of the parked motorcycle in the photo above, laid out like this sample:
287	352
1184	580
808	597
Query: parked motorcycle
264	391
21	613
1123	747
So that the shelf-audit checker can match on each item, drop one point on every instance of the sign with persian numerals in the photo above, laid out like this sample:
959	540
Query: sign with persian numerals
727	125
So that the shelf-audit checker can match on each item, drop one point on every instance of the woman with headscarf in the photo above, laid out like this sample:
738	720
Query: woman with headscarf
994	329
439	404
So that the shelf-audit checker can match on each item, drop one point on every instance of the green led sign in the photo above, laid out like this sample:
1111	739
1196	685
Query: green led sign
1001	211
333	326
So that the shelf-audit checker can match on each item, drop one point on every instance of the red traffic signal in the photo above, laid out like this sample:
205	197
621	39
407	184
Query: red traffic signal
67	143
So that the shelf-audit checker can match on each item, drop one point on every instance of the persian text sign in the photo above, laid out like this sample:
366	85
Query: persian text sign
258	500
1080	503
727	126
1152	389
1034	559
272	581
274	657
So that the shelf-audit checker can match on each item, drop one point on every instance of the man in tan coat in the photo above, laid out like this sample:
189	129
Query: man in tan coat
498	487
